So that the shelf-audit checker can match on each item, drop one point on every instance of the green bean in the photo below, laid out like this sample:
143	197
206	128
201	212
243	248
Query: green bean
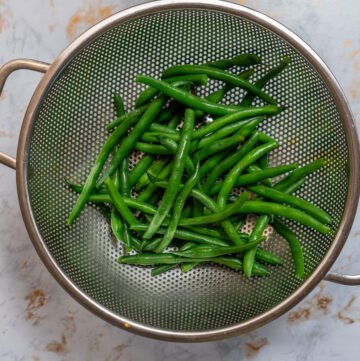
263	164
127	238
78	188
239	225
149	259
236	171
177	210
211	162
257	233
197	208
236	264
220	145
215	97
141	167
162	269
187	99
218	95
299	173
130	202
119	105
167	113
151	148
222	133
196	193
175	121
218	75
293	201
260	207
124	178
229	162
218	216
147	193
206	251
293	187
155	198
149	93
117	225
295	246
128	143
267	257
186	267
120	204
253	168
172	147
153	170
187	245
239	60
185	235
251	178
219	123
186	212
98	166
206	231
175	176
129	117
248	99
153	136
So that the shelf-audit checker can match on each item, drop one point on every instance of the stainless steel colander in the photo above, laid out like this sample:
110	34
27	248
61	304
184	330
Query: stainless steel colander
64	128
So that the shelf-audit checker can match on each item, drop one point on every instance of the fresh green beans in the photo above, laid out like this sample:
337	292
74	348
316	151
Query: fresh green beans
231	118
300	173
248	99
217	74
163	209
218	216
149	93
257	233
295	202
187	99
141	167
131	117
295	246
151	148
119	105
261	207
239	60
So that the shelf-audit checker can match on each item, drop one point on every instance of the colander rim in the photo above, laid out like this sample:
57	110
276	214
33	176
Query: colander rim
146	9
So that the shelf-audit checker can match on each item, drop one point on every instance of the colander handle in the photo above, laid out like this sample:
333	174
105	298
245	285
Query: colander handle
347	280
5	71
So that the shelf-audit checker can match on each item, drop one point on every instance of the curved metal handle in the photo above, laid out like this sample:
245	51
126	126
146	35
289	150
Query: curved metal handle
347	280
5	71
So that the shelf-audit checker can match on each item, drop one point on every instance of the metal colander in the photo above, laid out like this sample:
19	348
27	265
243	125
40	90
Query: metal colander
64	129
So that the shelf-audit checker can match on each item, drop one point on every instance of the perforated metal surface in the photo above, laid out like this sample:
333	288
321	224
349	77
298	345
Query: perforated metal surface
69	131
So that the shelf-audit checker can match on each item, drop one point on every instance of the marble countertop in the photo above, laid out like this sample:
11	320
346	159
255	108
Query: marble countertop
40	321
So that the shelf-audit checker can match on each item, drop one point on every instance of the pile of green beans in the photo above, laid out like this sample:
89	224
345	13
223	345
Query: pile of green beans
176	207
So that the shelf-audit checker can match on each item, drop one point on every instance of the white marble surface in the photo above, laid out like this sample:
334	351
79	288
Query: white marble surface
40	321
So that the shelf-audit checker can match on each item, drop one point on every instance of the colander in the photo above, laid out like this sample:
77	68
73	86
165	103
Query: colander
64	128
